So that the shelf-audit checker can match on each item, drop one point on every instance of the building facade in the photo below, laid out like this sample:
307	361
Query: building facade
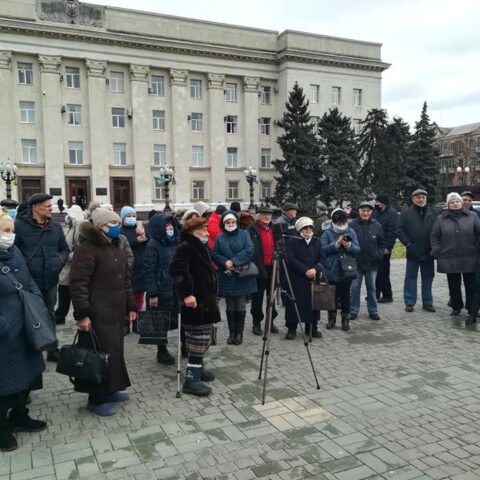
97	99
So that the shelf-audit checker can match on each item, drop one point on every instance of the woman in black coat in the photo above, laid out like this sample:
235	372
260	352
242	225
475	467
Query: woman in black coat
196	288
305	264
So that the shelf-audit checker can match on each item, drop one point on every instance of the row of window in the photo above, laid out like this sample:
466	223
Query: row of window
119	155
116	81
199	190
335	95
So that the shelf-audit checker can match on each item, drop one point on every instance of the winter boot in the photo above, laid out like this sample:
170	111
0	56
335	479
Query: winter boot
257	329
193	381
345	322
231	327
19	421
332	320
7	440
163	355
239	325
315	332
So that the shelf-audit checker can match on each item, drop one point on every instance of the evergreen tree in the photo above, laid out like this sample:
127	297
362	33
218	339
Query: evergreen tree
339	155
299	169
424	155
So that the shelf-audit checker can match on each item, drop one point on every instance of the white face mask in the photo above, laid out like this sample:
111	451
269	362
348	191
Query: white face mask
340	228
230	228
6	240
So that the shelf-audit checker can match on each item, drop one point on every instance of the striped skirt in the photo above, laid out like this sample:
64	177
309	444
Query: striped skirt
198	338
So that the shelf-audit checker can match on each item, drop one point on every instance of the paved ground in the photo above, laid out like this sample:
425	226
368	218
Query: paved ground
399	399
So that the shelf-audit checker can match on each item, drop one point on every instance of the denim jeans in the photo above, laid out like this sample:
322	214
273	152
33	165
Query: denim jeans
370	276
427	272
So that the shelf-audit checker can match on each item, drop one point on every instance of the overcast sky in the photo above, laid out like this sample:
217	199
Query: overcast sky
433	45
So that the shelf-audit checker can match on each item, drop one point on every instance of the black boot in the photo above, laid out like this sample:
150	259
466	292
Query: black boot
345	322
257	329
7	441
193	383
332	320
231	327
163	355
53	355
316	333
472	319
19	421
239	325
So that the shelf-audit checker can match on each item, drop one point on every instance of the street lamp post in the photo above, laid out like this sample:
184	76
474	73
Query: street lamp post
251	175
464	174
168	174
8	172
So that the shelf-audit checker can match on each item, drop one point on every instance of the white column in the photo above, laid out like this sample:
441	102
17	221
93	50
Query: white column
181	148
218	150
142	147
100	150
250	90
53	148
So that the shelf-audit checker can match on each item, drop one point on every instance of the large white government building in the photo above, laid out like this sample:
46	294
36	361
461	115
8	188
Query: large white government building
96	99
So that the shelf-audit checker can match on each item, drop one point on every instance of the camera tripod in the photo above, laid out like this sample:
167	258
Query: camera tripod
274	289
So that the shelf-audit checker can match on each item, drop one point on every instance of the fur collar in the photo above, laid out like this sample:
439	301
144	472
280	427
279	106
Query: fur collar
89	233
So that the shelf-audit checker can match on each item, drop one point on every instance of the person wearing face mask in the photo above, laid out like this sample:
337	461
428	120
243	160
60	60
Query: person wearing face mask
339	241
9	207
306	262
159	252
137	238
20	367
454	239
101	293
233	248
196	289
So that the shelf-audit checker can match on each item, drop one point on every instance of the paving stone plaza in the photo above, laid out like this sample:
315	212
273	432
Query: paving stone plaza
399	399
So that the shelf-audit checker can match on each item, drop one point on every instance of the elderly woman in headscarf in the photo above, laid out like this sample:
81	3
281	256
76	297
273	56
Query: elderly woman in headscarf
101	294
196	289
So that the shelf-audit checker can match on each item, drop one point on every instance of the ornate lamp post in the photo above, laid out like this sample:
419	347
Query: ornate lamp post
168	176
251	176
464	174
8	172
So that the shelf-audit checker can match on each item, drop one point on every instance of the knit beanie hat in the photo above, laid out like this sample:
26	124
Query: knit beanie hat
235	206
303	222
221	209
127	211
76	212
101	216
188	215
229	216
201	208
383	198
339	216
194	224
453	196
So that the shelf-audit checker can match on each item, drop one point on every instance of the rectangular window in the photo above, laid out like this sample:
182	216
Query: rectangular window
29	151
357	97
159	155
197	156
27	112
230	92
158	85
314	93
74	114
158	119
118	117
264	126
119	154
158	191
25	73
232	190
266	158
75	153
198	190
266	190
232	157
196	89
265	95
117	83
72	75
232	122
336	95
197	122
356	125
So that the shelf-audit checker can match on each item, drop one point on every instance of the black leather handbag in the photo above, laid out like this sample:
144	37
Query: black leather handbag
348	268
153	326
81	363
246	271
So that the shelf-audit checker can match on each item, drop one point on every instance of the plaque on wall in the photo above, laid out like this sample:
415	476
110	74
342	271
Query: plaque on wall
100	191
57	192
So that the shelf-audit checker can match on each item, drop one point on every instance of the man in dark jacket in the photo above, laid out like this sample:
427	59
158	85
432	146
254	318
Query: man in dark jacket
288	219
370	237
42	242
467	199
264	247
322	212
387	217
413	230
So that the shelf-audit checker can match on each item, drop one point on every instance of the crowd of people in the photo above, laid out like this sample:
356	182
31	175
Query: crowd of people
108	267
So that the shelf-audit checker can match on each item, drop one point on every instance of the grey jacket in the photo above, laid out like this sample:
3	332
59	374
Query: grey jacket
454	241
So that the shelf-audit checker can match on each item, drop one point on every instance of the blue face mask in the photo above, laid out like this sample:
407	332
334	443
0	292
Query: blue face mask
170	233
113	231
12	213
130	221
204	240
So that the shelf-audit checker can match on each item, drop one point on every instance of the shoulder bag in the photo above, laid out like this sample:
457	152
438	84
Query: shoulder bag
246	271
348	268
38	323
153	326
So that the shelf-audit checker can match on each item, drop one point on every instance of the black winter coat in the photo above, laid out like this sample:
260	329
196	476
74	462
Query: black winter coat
454	242
302	257
372	243
44	248
193	274
414	229
138	249
388	219
258	252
